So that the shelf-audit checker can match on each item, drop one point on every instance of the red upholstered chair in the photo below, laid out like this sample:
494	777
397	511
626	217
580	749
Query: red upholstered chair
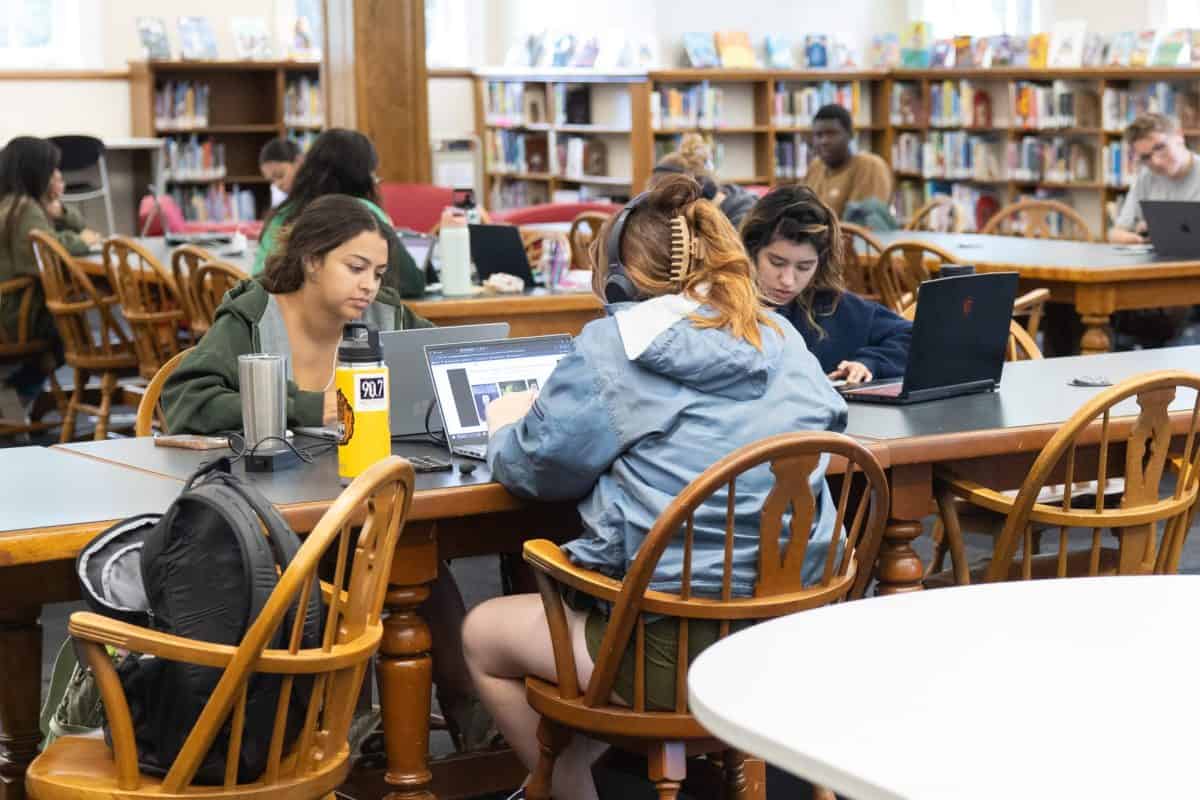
551	212
416	206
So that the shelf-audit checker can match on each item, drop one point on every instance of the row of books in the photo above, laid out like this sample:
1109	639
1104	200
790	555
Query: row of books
798	106
1068	45
958	103
733	49
302	103
791	158
216	203
1056	160
1119	167
194	159
698	106
504	103
517	194
1119	107
514	151
179	105
1059	105
580	156
958	155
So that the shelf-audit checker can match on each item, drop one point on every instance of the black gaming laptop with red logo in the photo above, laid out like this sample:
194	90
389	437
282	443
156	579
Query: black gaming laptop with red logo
959	338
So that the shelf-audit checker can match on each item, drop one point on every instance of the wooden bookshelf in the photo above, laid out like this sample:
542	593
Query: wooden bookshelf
749	134
245	110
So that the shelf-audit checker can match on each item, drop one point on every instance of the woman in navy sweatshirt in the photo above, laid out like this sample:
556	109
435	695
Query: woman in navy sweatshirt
795	243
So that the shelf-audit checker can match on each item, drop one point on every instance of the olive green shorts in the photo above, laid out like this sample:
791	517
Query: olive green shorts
662	642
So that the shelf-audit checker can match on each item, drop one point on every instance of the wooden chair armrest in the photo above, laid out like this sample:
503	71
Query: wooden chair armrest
116	712
96	628
16	284
1030	300
548	558
23	284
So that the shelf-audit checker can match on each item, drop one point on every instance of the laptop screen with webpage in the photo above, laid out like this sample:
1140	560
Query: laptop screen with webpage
468	376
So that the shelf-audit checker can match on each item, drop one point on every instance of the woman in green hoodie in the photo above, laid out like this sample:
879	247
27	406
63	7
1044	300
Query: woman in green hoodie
341	161
327	270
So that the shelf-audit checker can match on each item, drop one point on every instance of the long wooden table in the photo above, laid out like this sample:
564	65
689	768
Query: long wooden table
1096	278
454	515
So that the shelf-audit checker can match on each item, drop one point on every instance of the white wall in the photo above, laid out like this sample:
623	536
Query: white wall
1106	16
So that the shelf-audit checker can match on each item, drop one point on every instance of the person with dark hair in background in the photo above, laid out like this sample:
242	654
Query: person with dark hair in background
694	159
278	161
31	189
839	176
795	241
342	161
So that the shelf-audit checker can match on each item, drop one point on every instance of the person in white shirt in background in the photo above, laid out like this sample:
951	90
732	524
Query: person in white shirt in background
278	161
1167	170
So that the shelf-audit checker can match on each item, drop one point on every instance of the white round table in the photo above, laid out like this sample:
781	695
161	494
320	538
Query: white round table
1068	688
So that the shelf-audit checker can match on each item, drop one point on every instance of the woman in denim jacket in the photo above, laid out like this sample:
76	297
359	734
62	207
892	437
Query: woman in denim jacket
649	397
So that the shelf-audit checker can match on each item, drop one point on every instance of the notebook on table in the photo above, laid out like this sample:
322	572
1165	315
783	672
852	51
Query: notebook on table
959	338
468	376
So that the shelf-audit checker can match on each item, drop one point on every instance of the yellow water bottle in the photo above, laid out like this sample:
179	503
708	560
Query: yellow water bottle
362	398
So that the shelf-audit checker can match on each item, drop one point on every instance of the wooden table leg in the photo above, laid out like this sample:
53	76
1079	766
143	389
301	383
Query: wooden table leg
20	696
899	568
1095	335
404	666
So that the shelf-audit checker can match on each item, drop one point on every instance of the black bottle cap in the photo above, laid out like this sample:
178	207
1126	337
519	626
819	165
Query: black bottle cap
360	344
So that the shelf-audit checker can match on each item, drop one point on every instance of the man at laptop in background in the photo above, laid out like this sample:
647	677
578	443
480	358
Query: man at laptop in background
1167	170
839	176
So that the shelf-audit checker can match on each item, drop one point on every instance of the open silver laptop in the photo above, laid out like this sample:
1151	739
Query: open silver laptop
466	377
411	390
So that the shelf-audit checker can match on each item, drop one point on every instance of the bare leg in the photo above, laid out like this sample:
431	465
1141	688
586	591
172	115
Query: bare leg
506	639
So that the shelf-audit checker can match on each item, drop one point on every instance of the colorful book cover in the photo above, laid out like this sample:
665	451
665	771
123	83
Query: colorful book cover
1120	52
735	50
564	50
885	51
844	55
982	51
196	38
1095	49
700	50
816	50
779	52
586	52
1002	51
1066	43
915	45
152	32
943	53
964	55
250	38
1039	50
1143	47
1019	51
1174	49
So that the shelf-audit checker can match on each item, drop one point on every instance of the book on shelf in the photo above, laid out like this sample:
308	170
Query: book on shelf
517	151
1066	43
1095	50
1143	47
533	105
1119	169
250	38
697	106
302	103
504	103
216	203
1059	105
1018	48
564	50
194	159
1120	49
964	54
779	52
844	55
580	157
1119	107
1039	51
304	37
700	50
152	32
181	105
884	52
915	45
816	50
981	52
735	50
509	193
196	38
1174	49
797	107
943	54
792	155
586	52
905	104
1002	51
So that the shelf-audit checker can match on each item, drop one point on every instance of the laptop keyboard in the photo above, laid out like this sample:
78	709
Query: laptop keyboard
887	390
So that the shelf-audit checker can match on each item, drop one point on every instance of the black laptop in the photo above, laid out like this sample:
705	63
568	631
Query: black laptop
1174	227
959	338
498	248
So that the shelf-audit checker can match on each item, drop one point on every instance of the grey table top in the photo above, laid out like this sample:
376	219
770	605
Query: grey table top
1016	251
1030	393
157	246
301	483
47	487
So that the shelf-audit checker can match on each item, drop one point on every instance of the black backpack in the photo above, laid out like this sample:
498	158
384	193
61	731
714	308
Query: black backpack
203	570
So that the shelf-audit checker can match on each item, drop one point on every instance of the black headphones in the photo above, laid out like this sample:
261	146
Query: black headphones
618	288
708	187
